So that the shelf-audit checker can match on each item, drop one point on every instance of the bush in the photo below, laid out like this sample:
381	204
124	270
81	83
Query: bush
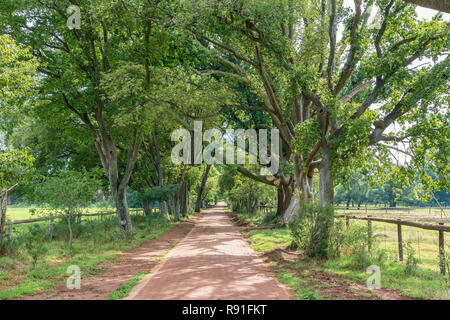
312	226
411	260
301	229
351	242
35	243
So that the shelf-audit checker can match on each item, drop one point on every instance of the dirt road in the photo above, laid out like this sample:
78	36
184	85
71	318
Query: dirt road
212	262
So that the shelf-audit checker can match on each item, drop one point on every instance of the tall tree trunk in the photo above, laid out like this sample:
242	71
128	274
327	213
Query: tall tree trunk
4	204
303	191
169	208
122	211
69	226
176	206
147	208
163	209
183	199
286	202
441	5
201	188
151	147
179	197
107	150
3	207
318	246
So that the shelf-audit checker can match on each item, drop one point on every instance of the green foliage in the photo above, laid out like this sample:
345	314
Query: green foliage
35	243
15	166
301	229
307	135
125	289
68	192
246	195
133	199
307	228
17	70
341	241
96	242
411	260
160	194
270	239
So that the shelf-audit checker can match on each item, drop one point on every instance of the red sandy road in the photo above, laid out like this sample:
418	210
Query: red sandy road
213	262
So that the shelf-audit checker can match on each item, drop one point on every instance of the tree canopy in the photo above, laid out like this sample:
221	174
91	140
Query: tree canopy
358	91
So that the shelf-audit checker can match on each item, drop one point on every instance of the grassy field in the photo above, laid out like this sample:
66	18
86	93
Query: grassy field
20	213
34	263
426	282
435	211
424	242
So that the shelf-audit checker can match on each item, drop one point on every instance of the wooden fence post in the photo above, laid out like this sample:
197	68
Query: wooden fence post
50	230
441	250
8	233
347	221
369	233
400	245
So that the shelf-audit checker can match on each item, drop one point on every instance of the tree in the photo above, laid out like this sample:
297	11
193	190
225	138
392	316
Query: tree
432	4
320	90
201	188
95	78
15	166
17	69
67	193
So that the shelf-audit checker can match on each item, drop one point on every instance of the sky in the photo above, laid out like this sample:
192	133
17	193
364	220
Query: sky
422	14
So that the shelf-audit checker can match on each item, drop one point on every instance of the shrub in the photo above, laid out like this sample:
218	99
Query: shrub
302	227
35	243
351	242
411	260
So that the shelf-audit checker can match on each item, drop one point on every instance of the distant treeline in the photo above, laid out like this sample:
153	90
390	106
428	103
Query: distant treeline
358	192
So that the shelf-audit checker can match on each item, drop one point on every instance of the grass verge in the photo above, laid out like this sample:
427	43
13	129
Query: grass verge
35	263
422	283
125	289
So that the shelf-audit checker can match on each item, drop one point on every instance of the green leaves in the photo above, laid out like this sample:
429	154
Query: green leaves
68	191
17	78
307	136
17	68
15	165
160	194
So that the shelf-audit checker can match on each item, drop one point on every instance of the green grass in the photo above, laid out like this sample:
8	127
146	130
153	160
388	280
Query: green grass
425	283
424	242
303	291
125	289
383	210
18	213
256	219
21	213
94	243
269	239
